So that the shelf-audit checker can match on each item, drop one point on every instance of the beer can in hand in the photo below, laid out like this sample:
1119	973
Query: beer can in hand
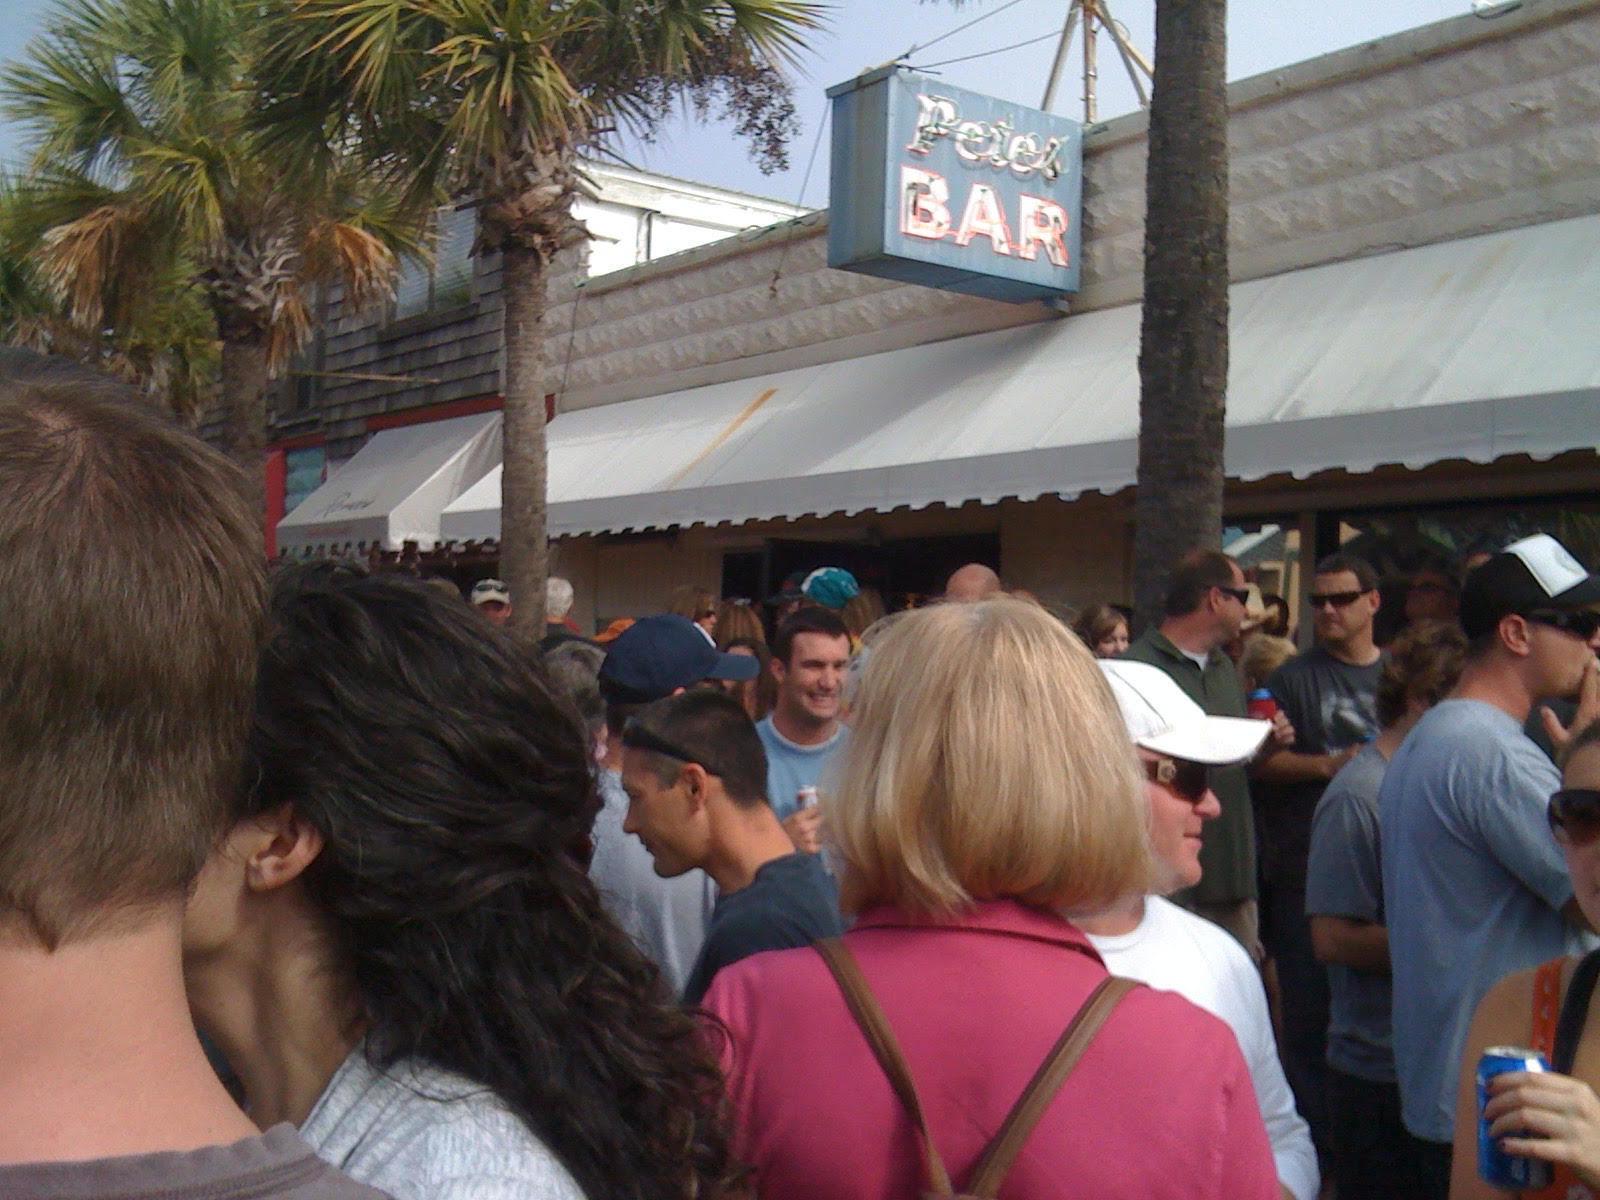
1261	705
806	797
1495	1166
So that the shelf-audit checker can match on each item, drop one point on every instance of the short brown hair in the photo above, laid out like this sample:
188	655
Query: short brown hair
1196	574
131	583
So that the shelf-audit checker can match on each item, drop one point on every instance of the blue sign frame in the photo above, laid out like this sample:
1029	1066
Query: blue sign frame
936	185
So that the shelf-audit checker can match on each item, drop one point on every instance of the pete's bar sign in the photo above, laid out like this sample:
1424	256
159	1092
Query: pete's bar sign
943	187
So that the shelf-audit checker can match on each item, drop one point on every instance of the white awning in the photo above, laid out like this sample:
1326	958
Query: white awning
391	492
1472	349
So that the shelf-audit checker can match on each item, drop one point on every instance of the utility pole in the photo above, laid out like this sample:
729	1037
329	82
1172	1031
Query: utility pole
1095	16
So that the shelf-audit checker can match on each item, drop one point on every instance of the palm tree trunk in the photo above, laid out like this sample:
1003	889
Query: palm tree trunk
244	403
1183	344
523	554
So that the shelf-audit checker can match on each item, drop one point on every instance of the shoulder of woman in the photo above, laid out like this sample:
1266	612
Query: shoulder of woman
1504	1013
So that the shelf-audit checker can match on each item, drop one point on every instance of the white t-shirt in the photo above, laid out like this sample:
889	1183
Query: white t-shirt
1176	951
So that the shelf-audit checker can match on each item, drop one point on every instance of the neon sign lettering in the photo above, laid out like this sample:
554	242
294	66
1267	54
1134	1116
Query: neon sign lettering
993	143
925	213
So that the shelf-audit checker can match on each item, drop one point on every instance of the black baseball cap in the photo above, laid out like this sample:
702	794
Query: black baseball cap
1534	573
656	656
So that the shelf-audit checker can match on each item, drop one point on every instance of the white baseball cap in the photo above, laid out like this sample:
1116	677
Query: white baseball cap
1163	720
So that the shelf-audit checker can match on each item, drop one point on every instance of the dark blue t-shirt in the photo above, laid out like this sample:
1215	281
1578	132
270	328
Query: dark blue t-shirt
792	901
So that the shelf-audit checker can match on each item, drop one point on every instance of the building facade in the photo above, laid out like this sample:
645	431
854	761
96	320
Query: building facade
1415	243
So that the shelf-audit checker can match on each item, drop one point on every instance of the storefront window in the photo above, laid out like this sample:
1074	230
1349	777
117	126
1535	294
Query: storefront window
303	473
1405	543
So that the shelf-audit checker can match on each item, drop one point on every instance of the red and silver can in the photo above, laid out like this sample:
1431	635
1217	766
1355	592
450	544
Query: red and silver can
806	797
1261	705
1495	1166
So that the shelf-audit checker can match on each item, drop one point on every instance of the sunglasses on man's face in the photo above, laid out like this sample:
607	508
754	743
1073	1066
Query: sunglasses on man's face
1242	595
1575	816
1334	599
1188	779
1581	622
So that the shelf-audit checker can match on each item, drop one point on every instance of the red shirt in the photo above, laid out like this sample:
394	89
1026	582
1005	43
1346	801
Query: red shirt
1160	1107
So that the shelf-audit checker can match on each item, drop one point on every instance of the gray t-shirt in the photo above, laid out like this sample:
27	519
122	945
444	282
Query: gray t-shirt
278	1165
421	1133
1331	705
666	918
1473	886
1344	879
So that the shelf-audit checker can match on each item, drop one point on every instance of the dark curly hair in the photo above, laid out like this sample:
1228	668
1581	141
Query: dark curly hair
451	785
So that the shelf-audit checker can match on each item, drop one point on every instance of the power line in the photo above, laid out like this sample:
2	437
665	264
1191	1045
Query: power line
958	29
945	62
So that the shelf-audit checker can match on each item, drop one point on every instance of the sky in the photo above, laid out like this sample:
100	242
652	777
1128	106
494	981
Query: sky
861	34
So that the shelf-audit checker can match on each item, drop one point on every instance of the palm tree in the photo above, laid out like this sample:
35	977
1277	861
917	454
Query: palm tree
162	339
1183	341
495	99
145	167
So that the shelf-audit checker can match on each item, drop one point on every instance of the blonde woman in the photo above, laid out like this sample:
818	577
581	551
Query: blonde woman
988	787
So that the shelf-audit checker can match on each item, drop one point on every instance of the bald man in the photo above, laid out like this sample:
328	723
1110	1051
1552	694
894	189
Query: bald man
971	583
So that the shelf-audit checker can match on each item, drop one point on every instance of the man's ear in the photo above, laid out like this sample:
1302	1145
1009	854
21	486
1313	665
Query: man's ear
696	786
1515	635
779	669
287	844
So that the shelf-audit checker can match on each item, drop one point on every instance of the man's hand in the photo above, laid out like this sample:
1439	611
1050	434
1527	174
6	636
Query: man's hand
1282	735
1588	711
804	827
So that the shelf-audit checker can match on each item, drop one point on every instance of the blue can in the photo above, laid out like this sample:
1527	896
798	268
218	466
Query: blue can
1495	1166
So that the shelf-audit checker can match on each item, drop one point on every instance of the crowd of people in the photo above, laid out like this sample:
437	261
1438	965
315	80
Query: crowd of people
324	883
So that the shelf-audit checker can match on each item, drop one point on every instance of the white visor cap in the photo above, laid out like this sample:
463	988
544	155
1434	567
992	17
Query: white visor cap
1163	720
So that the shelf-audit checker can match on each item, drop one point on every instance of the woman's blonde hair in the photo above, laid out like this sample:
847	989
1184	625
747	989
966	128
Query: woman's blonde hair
1263	654
987	759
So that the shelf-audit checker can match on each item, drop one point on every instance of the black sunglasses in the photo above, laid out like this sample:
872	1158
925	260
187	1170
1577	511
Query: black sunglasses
1575	816
1188	779
1581	622
637	737
1334	599
1242	595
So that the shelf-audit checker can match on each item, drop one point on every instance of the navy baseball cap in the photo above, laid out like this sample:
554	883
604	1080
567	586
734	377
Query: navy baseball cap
656	656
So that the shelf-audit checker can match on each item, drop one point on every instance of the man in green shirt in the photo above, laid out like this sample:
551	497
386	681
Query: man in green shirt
1202	612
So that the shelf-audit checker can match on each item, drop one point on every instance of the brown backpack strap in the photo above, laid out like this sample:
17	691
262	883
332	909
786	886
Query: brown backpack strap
1003	1149
1006	1144
874	1025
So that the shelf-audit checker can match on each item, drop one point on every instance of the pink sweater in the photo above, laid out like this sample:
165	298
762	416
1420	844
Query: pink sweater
1159	1108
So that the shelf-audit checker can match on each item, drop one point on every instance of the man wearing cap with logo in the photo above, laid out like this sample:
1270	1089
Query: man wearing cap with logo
653	658
492	599
1155	941
1474	886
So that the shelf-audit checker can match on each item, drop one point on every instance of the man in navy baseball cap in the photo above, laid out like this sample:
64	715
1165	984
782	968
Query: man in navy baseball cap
650	660
663	654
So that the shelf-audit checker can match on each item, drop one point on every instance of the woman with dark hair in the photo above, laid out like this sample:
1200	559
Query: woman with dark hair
396	946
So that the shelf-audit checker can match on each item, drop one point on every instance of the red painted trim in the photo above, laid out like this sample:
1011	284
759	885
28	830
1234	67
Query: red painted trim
304	441
436	412
276	478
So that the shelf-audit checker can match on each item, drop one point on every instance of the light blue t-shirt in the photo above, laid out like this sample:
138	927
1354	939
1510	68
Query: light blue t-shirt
1343	879
791	767
1473	885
